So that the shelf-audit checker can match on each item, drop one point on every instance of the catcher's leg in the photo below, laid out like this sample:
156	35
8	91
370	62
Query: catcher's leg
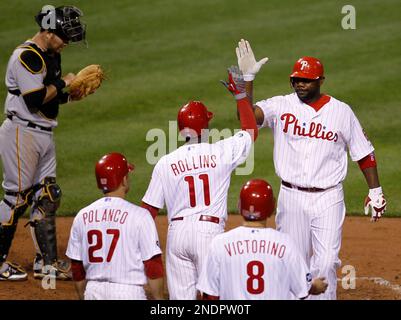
43	223
13	206
19	154
326	239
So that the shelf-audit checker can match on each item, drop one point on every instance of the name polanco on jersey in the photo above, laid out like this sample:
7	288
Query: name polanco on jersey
108	215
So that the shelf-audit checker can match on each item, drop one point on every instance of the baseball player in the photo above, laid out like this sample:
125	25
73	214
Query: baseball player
35	91
312	132
253	262
113	245
193	182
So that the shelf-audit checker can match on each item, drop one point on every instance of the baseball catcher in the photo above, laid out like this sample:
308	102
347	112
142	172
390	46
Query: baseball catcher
37	88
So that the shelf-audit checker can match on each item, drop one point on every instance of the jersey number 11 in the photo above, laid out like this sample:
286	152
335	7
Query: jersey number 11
191	185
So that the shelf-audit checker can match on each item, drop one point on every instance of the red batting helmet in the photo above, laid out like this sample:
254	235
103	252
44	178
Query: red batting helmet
192	118
307	67
110	171
256	200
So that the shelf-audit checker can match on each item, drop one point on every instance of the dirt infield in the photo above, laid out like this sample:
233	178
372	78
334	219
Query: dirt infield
374	249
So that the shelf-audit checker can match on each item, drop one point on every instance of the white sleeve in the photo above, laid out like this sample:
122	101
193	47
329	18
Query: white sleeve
27	82
300	277
236	148
209	279
358	143
154	195
149	244
269	108
74	247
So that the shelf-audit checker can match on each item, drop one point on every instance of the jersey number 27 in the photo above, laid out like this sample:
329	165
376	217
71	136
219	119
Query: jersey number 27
95	241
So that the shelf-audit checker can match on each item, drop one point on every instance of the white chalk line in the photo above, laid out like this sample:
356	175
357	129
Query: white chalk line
380	281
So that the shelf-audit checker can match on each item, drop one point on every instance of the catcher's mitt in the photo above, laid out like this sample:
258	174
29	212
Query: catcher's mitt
86	81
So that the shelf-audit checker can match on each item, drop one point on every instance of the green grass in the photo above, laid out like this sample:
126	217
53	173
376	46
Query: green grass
160	54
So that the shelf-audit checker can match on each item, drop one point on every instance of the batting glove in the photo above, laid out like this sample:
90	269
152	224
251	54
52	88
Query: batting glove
236	83
375	202
247	62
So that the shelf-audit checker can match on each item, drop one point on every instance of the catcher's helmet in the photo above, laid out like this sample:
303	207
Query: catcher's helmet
110	171
192	118
308	68
256	200
63	21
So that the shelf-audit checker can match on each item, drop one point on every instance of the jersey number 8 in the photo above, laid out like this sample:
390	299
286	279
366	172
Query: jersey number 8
255	283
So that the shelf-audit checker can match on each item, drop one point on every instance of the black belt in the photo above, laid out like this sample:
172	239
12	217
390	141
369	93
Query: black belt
289	185
12	193
35	187
30	124
9	204
201	218
15	92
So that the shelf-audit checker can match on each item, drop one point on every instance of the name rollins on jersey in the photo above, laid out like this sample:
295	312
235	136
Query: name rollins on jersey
193	163
255	246
314	131
108	215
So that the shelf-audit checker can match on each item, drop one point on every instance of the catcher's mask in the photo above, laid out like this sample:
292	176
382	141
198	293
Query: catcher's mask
256	200
110	171
64	22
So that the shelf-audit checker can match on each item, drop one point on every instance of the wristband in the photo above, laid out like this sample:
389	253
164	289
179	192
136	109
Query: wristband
249	77
240	96
59	84
375	191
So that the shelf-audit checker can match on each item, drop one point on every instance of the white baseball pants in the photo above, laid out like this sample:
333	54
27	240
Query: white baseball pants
315	220
188	241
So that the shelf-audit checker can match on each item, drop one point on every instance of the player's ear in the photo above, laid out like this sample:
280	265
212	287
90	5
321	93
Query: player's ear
321	80
126	181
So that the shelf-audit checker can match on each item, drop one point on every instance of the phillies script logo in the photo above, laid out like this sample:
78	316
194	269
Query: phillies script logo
315	130
304	64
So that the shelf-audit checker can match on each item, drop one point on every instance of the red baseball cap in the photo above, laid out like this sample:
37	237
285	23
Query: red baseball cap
308	68
110	171
192	118
256	200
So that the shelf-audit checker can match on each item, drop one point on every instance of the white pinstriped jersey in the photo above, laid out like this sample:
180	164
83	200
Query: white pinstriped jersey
194	179
113	237
254	264
310	148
